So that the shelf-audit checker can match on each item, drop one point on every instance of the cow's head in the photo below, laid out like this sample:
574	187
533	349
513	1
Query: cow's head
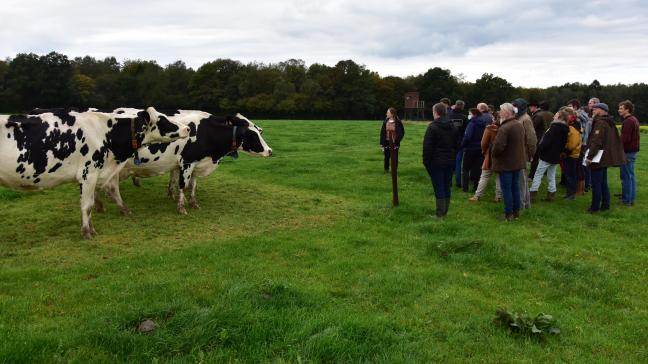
252	142
159	129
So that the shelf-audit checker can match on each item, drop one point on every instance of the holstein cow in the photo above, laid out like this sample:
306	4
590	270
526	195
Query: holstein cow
91	148
211	138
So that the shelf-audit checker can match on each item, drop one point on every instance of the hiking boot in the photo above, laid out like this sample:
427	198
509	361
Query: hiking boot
533	194
550	196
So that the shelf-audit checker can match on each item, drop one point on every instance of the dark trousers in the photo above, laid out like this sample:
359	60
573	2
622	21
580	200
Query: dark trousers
571	174
510	183
472	163
441	176
387	157
534	165
600	189
458	160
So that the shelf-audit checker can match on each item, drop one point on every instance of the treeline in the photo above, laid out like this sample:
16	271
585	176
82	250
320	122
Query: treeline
287	89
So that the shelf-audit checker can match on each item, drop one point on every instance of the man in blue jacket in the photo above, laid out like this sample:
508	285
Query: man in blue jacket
471	145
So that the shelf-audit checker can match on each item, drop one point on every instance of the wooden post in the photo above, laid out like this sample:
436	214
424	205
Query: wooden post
391	136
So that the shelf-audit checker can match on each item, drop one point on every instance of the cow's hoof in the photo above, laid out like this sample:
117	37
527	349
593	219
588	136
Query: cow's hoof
194	205
124	211
136	181
182	210
86	233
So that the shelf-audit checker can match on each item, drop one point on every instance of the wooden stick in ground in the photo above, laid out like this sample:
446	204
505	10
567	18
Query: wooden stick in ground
394	173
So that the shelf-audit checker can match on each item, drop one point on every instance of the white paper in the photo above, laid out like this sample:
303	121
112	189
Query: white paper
596	159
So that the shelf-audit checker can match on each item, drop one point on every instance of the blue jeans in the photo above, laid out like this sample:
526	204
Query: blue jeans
510	182
457	169
600	190
441	176
628	179
571	174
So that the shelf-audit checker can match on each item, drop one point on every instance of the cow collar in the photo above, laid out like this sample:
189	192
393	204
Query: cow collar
234	147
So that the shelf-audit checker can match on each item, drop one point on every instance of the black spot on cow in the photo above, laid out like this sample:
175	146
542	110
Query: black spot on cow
157	147
20	169
144	160
79	134
56	124
177	148
56	166
37	180
166	127
121	112
110	123
120	136
35	141
252	142
84	149
156	159
9	136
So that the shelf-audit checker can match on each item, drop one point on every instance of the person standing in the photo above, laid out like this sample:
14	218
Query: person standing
487	171
582	119
541	118
457	116
392	122
605	139
573	154
587	129
530	143
440	146
509	159
549	149
471	146
630	139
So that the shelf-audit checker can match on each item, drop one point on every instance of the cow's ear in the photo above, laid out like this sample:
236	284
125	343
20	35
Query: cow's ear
144	115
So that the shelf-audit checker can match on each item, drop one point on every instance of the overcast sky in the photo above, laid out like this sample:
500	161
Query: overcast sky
529	43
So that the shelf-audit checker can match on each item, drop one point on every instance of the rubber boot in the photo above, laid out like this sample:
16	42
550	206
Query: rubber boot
440	207
446	206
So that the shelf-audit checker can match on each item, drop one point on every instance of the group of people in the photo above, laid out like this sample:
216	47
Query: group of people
582	141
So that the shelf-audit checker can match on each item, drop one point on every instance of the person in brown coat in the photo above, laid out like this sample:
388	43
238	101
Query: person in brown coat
486	143
604	139
509	159
530	143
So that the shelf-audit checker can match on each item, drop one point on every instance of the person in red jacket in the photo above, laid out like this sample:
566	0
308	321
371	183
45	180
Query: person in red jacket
630	140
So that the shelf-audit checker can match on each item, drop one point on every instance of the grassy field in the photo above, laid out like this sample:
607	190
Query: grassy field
300	258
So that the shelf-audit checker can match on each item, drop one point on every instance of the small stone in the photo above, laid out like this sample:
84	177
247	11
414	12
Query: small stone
146	326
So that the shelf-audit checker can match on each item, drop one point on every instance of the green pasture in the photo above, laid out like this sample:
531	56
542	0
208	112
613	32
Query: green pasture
301	258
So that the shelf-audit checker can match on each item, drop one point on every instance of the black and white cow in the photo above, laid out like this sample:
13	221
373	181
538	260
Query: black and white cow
210	140
90	148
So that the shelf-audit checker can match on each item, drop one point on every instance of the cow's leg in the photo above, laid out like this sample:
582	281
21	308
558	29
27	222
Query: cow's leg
184	177
113	187
192	197
87	201
136	181
174	175
98	205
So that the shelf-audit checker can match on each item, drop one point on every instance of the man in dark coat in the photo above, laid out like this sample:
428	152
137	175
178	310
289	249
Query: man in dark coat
456	115
548	153
440	146
605	150
541	117
471	146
